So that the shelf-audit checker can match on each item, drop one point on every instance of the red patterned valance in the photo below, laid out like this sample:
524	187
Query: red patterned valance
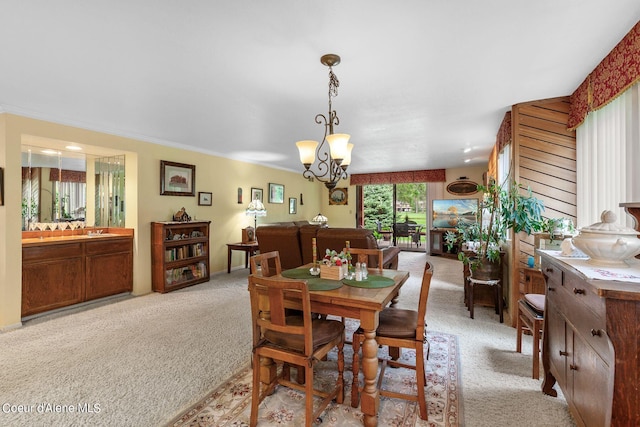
504	133
428	175
67	175
617	71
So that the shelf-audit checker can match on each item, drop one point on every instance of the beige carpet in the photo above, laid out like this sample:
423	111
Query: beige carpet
229	405
143	361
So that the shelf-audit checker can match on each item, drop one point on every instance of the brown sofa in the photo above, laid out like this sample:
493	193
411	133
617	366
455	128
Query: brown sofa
293	241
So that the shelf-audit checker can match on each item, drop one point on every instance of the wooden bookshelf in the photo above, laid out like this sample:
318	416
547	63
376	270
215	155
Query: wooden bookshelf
180	254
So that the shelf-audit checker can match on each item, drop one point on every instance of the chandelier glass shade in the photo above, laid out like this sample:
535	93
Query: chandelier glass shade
328	160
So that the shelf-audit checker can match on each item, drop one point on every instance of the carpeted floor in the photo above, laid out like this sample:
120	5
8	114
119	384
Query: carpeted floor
229	405
143	361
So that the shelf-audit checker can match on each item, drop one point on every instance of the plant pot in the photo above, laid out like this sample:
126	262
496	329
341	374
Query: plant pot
487	270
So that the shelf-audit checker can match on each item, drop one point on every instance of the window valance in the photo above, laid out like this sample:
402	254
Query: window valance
618	71
427	175
504	133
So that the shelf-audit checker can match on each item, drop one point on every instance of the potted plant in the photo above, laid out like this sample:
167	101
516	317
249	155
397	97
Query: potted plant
500	210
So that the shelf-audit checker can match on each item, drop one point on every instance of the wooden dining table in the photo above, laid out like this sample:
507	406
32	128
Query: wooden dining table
360	303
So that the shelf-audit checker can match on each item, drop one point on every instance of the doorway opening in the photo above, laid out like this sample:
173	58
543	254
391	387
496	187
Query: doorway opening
397	214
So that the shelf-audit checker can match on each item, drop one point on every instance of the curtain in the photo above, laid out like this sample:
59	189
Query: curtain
608	159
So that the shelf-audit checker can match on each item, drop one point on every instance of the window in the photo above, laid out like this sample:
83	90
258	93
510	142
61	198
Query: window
608	159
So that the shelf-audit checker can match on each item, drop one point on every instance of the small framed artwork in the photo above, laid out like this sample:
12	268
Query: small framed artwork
339	196
177	179
204	198
256	193
293	205
276	193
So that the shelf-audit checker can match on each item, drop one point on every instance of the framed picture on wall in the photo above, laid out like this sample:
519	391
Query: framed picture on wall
276	193
293	205
339	196
204	198
177	179
256	193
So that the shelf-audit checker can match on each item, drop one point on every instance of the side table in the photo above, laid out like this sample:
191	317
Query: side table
249	249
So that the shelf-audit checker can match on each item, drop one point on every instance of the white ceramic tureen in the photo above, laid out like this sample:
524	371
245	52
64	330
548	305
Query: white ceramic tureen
607	243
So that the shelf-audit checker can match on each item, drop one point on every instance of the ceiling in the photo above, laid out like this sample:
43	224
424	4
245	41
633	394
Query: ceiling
421	81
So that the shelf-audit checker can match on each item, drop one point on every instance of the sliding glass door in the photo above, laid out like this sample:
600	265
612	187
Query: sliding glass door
397	213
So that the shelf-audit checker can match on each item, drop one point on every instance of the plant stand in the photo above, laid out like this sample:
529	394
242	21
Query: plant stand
497	287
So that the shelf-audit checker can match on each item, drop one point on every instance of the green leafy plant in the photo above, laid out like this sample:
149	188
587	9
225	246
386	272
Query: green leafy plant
500	209
29	206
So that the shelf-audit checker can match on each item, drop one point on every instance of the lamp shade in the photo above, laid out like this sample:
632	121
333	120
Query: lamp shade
320	219
256	208
347	159
307	151
338	145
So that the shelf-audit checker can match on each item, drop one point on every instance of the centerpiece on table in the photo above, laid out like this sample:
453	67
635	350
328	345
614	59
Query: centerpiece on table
334	265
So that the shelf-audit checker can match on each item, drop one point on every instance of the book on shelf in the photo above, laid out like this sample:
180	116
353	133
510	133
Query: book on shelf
178	275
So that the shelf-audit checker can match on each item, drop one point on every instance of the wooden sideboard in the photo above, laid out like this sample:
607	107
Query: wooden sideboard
591	343
61	271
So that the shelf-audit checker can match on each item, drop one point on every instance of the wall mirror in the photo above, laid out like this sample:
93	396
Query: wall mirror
63	182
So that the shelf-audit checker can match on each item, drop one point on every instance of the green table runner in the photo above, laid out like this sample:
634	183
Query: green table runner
373	281
314	283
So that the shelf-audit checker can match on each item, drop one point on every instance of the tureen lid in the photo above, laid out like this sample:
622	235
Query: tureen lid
608	226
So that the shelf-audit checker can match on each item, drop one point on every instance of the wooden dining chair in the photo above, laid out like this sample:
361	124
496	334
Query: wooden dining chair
296	340
403	329
367	255
269	263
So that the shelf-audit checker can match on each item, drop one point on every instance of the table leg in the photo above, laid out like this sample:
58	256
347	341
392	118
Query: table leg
370	399
228	260
246	258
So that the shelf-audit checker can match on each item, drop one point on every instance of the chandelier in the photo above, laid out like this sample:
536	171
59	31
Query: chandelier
327	164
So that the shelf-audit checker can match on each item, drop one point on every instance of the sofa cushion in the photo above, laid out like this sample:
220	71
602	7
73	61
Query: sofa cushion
284	239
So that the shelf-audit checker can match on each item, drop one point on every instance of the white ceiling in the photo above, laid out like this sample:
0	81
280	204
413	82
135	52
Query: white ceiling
420	80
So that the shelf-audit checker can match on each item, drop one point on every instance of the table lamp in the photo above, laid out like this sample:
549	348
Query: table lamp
256	208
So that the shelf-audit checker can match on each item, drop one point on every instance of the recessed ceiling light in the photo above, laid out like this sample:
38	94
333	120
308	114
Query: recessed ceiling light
466	150
49	151
467	160
73	148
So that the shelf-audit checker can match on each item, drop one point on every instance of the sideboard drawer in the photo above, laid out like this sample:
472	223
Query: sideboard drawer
553	274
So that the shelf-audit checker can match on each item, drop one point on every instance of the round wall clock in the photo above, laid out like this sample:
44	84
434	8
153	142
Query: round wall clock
462	187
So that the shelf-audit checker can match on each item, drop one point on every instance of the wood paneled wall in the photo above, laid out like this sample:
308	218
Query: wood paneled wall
544	159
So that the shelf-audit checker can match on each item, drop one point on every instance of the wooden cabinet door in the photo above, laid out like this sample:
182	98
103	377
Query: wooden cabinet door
109	275
109	267
590	378
557	342
52	284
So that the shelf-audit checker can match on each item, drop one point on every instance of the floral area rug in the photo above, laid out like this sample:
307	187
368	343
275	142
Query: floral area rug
230	404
